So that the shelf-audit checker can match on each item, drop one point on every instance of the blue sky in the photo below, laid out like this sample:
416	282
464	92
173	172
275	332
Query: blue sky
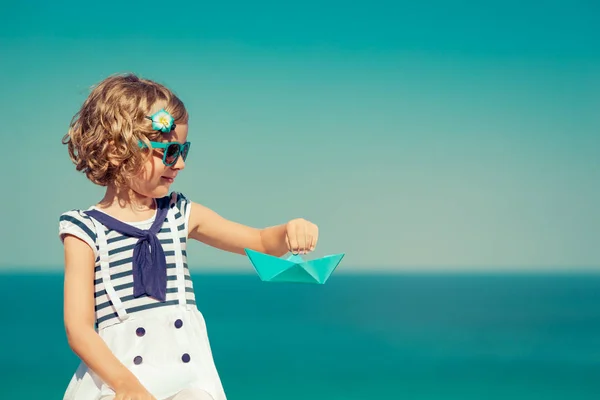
437	135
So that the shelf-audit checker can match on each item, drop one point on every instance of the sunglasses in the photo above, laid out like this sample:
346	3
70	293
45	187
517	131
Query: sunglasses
172	151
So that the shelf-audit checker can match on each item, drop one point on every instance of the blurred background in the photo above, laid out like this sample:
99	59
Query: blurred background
450	149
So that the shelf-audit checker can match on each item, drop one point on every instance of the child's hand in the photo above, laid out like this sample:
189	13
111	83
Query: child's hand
301	236
133	391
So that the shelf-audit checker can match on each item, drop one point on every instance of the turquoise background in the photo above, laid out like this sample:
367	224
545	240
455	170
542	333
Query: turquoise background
418	135
450	149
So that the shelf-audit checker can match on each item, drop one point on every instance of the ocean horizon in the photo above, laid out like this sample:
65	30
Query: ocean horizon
359	336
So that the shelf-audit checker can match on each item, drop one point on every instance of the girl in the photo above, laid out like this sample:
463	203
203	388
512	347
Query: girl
129	307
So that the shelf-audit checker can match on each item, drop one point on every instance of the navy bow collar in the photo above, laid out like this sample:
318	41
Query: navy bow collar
149	261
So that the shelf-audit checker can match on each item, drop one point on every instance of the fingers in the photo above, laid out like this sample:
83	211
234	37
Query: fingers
131	396
301	236
314	238
292	238
296	237
287	242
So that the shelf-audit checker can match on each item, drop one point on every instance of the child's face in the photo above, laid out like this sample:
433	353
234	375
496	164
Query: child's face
156	178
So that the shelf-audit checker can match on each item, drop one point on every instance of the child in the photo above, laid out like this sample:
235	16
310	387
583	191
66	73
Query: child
129	307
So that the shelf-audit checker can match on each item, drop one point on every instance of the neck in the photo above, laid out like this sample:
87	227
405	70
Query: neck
126	199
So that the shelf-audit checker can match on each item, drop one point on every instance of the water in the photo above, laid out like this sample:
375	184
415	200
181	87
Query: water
357	337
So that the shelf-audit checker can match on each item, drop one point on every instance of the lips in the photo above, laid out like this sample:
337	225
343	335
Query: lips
168	179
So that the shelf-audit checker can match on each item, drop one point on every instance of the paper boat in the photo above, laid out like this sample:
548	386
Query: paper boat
294	268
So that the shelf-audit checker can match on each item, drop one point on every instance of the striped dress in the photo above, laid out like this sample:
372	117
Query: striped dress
165	344
120	253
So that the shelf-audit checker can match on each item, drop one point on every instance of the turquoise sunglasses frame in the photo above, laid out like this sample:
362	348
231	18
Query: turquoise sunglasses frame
182	149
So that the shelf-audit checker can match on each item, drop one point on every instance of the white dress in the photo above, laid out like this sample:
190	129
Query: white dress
165	344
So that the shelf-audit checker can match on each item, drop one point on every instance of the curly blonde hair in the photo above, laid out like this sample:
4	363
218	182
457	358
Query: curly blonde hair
103	137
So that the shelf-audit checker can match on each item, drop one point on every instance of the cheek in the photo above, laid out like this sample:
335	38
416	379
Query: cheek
152	169
148	182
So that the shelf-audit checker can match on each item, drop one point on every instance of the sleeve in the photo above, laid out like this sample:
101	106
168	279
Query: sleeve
183	205
78	224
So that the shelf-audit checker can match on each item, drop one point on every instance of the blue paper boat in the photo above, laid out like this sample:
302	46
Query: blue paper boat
294	268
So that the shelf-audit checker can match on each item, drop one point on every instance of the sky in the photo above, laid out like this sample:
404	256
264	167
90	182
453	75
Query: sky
418	136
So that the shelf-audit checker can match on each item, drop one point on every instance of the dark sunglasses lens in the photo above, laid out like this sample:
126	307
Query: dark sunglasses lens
172	153
185	151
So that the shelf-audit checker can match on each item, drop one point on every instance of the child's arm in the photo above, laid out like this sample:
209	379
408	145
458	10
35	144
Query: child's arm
79	321
297	235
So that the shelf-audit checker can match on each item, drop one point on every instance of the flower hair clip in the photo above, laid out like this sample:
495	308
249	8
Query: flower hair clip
162	121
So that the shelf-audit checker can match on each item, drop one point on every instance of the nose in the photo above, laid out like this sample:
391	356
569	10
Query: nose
180	164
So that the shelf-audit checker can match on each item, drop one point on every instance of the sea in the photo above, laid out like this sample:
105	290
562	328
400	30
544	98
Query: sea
358	337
